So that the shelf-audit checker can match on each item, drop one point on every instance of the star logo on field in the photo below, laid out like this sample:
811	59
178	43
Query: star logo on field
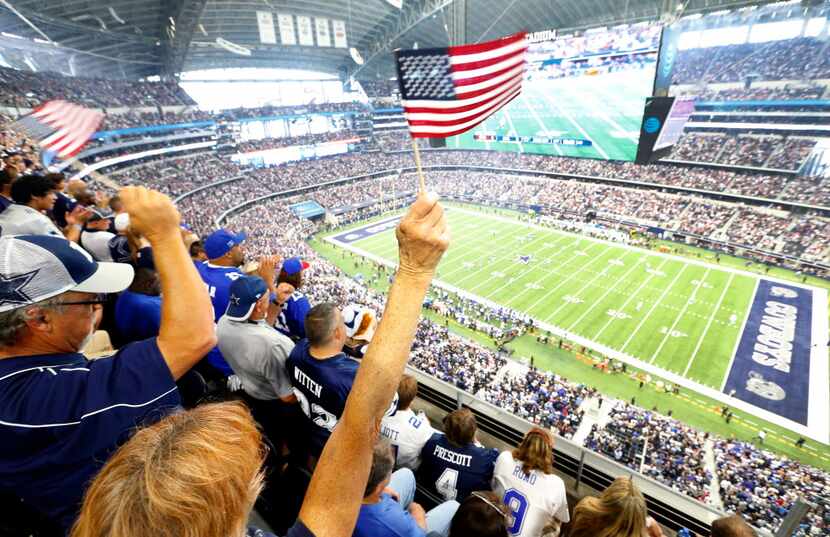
13	288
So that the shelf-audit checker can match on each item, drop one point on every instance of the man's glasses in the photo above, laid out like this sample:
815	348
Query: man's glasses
99	299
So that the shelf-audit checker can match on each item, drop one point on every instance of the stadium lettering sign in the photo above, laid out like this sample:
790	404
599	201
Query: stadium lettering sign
544	35
774	345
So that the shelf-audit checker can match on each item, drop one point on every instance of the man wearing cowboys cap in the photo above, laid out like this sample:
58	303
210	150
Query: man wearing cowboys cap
61	415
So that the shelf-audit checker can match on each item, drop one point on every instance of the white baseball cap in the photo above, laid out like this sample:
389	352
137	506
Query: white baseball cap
37	267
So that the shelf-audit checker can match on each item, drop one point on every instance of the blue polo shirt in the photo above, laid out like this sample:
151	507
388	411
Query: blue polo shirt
387	518
137	316
62	416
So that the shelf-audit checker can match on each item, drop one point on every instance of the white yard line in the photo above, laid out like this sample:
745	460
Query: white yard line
570	118
653	307
680	315
539	121
581	289
686	260
629	299
598	301
560	284
740	333
524	272
709	324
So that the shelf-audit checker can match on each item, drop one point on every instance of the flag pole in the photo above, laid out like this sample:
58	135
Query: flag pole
421	183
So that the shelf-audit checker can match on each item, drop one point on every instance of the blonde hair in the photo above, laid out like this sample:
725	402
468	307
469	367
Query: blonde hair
620	511
536	451
192	474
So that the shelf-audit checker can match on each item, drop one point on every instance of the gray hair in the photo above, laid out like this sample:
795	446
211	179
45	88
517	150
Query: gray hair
383	462
12	323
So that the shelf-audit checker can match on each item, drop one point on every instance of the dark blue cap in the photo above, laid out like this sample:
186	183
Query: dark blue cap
220	242
245	291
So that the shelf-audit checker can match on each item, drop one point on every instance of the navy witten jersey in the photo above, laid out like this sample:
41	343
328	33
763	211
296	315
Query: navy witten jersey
218	282
322	386
455	472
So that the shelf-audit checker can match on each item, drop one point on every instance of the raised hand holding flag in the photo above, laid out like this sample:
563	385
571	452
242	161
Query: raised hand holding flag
448	91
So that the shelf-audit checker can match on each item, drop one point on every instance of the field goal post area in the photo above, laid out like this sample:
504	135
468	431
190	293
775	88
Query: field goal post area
778	372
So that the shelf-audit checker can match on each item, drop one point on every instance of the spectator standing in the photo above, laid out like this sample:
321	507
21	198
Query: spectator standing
291	321
98	240
407	431
525	481
32	195
63	203
138	308
360	327
321	373
452	464
388	507
83	409
482	514
225	256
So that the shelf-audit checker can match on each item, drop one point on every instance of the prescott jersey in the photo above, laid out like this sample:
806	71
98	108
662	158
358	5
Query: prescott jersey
455	472
533	499
218	281
407	432
291	320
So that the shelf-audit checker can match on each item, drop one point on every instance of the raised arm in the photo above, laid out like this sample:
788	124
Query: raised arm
333	499
187	332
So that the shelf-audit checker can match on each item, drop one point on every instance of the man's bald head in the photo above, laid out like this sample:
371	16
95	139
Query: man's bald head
732	526
75	187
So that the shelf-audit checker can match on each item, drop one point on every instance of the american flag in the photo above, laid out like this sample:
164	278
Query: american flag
448	91
60	127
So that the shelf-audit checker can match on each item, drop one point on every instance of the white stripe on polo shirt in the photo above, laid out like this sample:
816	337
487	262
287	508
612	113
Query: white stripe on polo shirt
88	414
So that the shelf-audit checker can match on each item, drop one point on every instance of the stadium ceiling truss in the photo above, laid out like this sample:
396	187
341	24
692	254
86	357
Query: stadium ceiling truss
137	38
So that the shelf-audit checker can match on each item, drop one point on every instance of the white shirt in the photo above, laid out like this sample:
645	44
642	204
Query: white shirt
23	220
407	432
533	500
97	243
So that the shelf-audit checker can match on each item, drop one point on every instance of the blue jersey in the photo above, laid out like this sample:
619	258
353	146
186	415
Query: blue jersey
218	281
454	472
322	386
291	321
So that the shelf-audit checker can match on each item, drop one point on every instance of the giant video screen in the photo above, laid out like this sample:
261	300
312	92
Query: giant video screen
582	96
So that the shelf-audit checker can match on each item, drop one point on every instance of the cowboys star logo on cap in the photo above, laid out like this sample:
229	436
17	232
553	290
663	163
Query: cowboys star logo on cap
13	288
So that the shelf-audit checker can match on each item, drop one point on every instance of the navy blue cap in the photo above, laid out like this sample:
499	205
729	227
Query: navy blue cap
220	242
245	291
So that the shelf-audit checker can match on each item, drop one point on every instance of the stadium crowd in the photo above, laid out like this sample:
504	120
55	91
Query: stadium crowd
27	90
272	229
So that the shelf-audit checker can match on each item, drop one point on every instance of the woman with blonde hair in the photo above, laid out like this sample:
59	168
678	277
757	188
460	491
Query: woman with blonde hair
620	511
525	482
192	474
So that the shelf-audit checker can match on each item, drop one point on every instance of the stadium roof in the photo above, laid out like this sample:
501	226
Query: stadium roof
136	38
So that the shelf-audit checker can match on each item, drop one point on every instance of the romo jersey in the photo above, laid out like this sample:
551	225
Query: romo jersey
533	499
407	432
322	386
454	472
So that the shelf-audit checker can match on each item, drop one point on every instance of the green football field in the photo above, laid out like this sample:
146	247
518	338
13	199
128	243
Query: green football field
606	109
676	314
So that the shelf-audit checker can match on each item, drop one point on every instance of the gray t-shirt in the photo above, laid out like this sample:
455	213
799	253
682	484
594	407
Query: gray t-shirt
257	353
23	220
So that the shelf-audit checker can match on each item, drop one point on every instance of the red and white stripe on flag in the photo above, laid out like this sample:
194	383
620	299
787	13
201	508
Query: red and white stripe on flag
448	91
62	127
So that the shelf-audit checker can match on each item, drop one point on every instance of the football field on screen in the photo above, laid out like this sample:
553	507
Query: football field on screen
685	319
606	109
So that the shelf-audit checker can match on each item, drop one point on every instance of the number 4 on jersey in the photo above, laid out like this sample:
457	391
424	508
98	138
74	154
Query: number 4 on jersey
446	484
